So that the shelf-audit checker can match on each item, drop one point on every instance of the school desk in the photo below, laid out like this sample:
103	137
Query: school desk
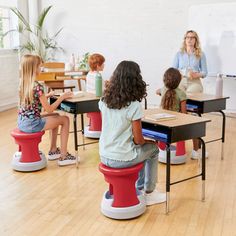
201	103
182	127
79	105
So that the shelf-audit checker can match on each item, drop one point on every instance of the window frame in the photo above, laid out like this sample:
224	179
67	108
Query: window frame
12	43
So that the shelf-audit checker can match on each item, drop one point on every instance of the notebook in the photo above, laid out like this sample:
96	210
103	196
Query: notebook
161	117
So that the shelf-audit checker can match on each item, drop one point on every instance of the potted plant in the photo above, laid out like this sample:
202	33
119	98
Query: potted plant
36	38
83	63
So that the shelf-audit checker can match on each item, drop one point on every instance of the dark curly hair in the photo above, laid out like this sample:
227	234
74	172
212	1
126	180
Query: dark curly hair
172	78
125	86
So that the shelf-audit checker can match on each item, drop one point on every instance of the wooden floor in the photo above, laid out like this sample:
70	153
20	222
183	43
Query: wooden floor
66	200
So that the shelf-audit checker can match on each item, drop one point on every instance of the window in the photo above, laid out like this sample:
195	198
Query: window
7	22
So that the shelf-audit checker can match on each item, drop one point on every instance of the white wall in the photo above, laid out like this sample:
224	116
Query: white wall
9	72
148	32
8	79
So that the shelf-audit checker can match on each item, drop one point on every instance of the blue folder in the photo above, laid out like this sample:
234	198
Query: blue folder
191	107
154	135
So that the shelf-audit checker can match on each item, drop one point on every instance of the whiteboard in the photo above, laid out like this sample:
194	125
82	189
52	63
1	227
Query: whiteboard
216	27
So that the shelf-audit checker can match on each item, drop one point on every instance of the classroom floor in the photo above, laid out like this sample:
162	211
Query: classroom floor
66	200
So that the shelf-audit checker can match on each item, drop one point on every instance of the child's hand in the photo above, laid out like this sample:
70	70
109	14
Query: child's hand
67	95
52	93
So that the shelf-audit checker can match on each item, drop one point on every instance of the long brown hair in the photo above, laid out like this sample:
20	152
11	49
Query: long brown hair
125	86
172	78
197	46
29	68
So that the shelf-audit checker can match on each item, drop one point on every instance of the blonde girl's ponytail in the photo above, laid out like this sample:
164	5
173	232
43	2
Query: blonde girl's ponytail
29	69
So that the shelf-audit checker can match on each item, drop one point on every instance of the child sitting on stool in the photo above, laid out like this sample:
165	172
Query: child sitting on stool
32	100
96	64
173	99
122	143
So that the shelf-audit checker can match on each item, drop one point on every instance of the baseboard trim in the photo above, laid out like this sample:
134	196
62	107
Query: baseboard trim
8	106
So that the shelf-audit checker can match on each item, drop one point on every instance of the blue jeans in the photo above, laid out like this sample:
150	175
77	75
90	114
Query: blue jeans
28	125
147	153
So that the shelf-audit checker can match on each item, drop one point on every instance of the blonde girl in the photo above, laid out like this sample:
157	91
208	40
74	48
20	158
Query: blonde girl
32	99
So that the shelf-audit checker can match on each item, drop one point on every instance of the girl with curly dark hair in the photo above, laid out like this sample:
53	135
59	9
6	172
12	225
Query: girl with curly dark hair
121	143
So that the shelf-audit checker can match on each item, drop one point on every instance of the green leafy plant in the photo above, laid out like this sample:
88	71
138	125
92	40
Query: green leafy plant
83	63
36	39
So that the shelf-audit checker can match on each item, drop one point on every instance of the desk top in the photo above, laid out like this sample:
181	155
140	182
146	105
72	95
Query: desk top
87	97
204	97
184	127
181	118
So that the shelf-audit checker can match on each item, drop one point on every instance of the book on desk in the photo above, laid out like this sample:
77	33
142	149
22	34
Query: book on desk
161	117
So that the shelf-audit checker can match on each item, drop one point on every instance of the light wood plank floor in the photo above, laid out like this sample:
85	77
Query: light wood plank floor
66	200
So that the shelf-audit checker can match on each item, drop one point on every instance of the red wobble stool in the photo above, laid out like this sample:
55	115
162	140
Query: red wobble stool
122	200
177	153
93	130
28	157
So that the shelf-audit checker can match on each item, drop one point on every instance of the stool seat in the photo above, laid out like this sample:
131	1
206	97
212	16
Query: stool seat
28	157
16	133
121	171
122	201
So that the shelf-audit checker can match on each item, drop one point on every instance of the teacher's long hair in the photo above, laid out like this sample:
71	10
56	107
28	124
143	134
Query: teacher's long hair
197	47
172	78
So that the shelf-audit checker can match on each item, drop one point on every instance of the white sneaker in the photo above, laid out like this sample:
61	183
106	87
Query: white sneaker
68	160
54	155
195	155
198	154
154	197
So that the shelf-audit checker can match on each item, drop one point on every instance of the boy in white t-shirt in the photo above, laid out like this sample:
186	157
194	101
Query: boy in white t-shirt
96	64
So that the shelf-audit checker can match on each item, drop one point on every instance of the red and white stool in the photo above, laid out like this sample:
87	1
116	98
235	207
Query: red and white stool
122	201
93	130
177	153
28	158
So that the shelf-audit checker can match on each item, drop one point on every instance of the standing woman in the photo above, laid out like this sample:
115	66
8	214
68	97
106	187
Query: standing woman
191	62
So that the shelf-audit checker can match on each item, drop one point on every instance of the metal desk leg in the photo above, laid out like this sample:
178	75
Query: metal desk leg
167	177
199	145
76	139
145	103
203	167
223	135
82	128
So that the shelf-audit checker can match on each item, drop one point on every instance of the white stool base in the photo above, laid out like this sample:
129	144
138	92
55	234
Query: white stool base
91	134
28	166
120	213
